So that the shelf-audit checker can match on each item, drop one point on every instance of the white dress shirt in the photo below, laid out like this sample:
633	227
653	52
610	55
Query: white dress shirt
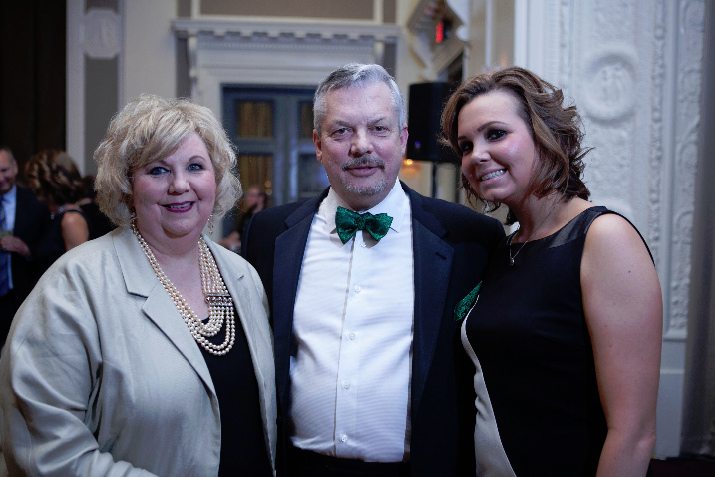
353	325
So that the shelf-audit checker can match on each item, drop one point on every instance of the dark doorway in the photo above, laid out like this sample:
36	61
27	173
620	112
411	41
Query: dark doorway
272	127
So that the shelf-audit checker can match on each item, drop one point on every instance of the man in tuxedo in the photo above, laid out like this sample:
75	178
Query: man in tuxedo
363	281
23	224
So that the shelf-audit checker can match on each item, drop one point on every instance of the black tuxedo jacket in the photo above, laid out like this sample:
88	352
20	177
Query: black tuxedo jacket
451	244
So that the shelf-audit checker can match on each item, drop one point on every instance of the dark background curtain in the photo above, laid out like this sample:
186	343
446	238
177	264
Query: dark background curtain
32	76
698	434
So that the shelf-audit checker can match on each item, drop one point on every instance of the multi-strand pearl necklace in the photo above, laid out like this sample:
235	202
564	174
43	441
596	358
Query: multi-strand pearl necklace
215	294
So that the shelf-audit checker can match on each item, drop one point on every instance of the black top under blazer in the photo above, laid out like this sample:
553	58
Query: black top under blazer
451	244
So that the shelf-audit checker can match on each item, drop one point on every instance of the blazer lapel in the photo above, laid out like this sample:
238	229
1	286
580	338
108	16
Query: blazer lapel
141	280
432	265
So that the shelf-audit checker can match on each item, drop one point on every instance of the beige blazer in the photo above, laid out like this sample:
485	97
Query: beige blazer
100	375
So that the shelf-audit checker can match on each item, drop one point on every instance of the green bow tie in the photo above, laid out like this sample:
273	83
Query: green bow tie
349	222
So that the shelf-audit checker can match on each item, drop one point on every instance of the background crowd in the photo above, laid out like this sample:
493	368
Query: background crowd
54	211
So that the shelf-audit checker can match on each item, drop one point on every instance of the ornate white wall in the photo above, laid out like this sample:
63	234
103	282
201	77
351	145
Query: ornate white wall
634	70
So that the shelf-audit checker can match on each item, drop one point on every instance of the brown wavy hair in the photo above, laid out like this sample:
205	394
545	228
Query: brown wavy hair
555	128
52	174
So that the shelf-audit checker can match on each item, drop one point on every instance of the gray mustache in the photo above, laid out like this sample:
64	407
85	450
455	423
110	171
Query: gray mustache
364	161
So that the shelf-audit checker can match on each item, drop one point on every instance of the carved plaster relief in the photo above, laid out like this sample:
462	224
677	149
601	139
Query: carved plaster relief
102	33
610	85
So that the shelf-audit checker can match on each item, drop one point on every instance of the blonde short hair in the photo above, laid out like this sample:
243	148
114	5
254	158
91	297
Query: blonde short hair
149	129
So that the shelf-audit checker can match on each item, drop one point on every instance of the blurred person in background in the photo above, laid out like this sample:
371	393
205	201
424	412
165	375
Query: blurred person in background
23	224
99	223
56	181
254	201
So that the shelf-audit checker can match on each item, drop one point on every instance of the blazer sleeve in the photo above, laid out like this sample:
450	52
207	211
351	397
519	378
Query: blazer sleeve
49	371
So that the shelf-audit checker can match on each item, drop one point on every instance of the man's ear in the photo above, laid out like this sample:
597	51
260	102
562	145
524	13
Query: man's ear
318	143
403	140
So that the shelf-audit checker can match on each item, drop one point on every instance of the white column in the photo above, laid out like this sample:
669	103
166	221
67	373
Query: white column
149	56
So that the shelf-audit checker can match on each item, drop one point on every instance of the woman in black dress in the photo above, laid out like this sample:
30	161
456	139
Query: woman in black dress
54	177
565	330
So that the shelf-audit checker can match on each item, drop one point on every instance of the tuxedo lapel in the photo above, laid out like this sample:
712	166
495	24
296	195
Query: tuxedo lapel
140	279
432	265
288	259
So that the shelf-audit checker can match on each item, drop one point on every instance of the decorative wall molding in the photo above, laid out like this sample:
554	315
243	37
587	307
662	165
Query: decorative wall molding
657	127
686	122
296	29
279	53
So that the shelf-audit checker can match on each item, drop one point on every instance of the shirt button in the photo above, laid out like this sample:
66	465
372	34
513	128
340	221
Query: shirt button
352	335
343	438
363	245
346	385
357	289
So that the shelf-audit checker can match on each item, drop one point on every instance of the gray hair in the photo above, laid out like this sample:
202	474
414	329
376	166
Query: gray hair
356	74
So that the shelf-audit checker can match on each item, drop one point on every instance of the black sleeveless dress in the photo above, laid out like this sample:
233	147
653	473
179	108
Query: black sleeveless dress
538	409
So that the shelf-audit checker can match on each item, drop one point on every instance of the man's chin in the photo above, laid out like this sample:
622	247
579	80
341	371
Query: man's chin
367	190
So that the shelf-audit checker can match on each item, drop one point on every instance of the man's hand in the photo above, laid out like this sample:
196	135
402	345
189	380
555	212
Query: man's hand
10	243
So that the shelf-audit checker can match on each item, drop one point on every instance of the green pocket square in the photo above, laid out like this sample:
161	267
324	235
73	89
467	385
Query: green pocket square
463	307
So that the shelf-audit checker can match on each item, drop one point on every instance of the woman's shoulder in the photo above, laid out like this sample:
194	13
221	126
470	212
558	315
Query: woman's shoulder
597	219
611	237
72	215
613	230
609	225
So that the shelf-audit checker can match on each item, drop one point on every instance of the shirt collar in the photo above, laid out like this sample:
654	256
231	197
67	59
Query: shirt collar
394	204
9	199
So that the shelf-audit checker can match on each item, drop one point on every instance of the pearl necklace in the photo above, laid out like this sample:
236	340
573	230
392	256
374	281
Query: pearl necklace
215	294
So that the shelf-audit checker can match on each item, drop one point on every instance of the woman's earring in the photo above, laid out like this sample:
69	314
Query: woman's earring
211	224
133	216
